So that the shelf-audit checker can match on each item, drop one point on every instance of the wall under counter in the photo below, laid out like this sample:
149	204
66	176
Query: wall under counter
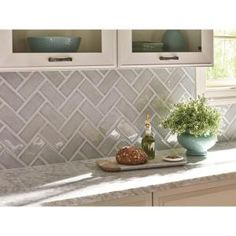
51	117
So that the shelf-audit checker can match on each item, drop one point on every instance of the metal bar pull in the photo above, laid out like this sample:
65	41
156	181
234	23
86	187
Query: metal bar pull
55	59
169	58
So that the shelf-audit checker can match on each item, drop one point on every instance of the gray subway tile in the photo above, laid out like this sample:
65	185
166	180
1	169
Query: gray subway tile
71	83
8	161
230	132
190	71
52	115
159	107
38	162
104	72
52	94
159	88
174	78
25	74
78	156
126	90
109	80
51	156
178	95
72	104
12	78
90	92
144	78
11	141
161	73
107	145
231	113
28	110
31	84
91	112
156	123
109	101
127	110
139	70
72	124
70	149
53	137
91	133
11	119
32	150
128	74
66	73
54	76
32	128
127	130
93	75
10	97
189	85
143	99
1	147
89	151
109	121
161	144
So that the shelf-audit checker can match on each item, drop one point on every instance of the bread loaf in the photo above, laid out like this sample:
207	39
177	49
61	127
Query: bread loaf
131	156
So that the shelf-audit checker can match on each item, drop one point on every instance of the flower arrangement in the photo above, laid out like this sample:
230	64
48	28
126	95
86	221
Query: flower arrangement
195	117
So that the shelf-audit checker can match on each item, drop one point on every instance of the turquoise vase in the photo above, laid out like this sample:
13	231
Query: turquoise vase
174	41
196	146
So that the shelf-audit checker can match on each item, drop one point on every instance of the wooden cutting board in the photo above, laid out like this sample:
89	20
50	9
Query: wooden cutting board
109	164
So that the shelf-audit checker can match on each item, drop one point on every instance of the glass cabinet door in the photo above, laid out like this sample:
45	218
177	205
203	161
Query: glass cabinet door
57	41
57	48
165	47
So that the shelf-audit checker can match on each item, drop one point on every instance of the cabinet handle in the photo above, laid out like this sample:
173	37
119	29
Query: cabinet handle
169	58
55	59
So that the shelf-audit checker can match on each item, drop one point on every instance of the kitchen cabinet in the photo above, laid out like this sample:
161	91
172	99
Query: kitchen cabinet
139	200
219	193
142	48
97	49
222	193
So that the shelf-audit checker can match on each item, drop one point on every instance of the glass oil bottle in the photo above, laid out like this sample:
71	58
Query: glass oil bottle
148	141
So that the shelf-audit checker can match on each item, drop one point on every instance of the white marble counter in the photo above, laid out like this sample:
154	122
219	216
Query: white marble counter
83	182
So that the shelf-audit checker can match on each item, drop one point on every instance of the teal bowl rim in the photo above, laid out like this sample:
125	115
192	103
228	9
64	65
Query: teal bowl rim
48	37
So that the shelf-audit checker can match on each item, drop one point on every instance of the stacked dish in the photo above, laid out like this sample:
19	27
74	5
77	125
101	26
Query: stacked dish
147	46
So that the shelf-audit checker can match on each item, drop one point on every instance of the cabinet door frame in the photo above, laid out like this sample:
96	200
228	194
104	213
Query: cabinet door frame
31	61
126	58
195	193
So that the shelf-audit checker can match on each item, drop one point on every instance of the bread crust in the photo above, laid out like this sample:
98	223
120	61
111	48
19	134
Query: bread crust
130	155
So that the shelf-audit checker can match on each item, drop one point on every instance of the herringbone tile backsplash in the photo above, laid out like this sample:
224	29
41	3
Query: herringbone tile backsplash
60	116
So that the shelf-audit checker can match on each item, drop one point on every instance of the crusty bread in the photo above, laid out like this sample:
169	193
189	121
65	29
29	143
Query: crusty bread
129	155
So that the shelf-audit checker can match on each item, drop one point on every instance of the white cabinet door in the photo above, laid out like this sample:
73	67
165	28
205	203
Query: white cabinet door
97	49
198	50
224	195
140	200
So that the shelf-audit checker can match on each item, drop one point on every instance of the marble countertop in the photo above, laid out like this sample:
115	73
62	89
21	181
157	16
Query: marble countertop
82	182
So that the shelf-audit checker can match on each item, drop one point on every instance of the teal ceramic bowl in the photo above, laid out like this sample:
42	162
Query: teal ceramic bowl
196	146
146	46
54	44
174	41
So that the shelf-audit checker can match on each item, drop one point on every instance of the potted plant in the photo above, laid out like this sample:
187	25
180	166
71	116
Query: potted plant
196	124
